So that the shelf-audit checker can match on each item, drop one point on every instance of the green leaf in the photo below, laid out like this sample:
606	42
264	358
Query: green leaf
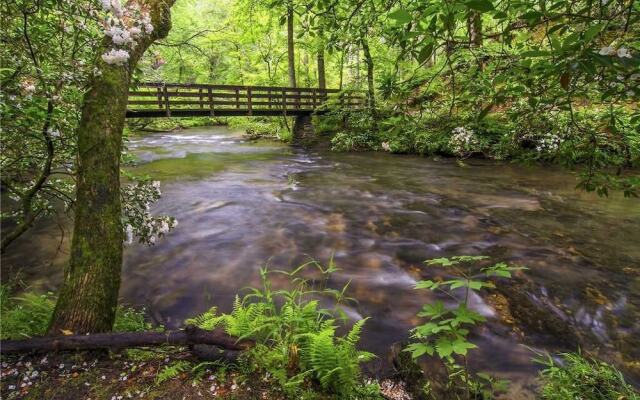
461	346
475	285
480	5
444	347
592	32
428	284
419	349
445	262
425	53
401	16
434	310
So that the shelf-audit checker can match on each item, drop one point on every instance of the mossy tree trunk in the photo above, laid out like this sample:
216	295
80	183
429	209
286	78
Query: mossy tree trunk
89	296
370	83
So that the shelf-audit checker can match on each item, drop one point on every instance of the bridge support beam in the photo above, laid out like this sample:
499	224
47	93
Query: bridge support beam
303	131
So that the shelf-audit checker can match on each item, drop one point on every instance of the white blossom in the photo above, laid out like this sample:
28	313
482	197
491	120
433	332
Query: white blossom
116	57
548	143
607	51
28	86
463	140
386	146
623	52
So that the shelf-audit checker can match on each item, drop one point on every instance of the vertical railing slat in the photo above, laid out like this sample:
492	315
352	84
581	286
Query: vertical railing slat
210	95
166	101
249	101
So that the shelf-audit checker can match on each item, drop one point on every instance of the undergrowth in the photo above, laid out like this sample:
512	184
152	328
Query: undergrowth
578	377
296	339
28	315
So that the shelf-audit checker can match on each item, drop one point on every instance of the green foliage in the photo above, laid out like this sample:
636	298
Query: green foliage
29	314
446	330
579	377
262	127
172	370
296	340
25	316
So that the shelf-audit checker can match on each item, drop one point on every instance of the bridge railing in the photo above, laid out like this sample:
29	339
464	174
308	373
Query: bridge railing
165	99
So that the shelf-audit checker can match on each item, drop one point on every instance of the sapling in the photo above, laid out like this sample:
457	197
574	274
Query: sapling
446	330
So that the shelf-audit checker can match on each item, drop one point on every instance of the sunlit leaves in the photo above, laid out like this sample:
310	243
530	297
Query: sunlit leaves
401	16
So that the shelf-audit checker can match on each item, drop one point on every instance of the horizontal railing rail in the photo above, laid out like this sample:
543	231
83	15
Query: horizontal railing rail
164	99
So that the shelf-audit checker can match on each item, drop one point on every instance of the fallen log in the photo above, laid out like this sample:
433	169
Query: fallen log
190	335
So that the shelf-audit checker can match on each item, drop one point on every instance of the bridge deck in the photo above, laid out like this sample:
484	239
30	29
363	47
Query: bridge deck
154	100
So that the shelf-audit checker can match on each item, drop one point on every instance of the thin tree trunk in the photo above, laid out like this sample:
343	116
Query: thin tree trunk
322	82
474	27
370	84
89	295
342	68
290	48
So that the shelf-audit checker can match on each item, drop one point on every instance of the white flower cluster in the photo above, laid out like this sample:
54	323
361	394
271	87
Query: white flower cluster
548	143
386	146
28	86
138	221
116	57
621	52
463	140
124	26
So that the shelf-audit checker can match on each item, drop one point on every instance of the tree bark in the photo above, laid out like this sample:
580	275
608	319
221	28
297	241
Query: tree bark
191	335
89	294
370	84
474	27
322	81
290	46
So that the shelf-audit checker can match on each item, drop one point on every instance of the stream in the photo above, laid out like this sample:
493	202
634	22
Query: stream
241	205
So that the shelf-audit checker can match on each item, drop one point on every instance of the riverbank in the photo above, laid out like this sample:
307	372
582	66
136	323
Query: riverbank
242	204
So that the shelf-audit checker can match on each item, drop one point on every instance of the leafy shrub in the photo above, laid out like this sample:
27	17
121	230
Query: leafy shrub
578	377
296	340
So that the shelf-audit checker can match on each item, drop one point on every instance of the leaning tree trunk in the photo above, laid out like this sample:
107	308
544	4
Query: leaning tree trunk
370	85
89	296
290	49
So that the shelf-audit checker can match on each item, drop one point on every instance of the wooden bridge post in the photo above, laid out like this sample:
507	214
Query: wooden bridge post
200	99
249	101
159	92
284	102
210	93
166	101
237	98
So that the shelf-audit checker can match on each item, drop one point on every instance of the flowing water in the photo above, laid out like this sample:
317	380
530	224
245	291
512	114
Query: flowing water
241	205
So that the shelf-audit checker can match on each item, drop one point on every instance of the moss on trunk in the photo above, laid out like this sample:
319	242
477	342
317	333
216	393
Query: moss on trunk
89	295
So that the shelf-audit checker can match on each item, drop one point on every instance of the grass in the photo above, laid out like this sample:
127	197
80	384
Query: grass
578	377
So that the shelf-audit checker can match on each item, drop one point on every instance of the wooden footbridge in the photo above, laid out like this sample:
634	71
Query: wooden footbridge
156	100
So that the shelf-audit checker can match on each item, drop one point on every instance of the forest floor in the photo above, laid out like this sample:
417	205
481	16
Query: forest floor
139	374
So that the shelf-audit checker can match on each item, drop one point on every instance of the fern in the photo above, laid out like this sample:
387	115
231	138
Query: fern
172	370
295	338
207	320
